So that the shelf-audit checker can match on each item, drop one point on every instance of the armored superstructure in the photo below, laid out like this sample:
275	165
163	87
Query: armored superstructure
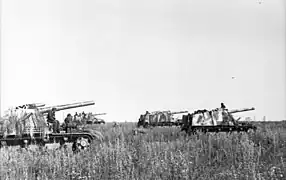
159	118
26	124
216	120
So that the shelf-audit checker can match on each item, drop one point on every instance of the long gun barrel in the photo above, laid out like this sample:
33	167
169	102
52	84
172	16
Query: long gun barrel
38	105
66	106
99	114
241	110
179	112
169	112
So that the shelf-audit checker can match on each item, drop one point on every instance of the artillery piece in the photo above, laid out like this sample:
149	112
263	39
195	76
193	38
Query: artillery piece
25	125
66	106
159	118
216	120
92	119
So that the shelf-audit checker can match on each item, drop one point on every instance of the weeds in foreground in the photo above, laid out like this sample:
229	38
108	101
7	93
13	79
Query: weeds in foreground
162	153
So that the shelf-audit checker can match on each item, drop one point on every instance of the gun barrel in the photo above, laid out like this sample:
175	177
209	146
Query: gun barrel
241	110
38	105
179	112
97	114
169	112
66	106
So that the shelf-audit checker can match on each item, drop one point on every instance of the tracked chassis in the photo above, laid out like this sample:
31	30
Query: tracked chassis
80	140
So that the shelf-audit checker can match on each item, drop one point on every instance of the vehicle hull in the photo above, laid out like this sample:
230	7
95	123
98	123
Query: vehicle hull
41	139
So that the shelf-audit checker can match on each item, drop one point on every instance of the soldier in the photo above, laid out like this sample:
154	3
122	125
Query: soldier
79	118
222	105
83	115
75	117
51	118
68	121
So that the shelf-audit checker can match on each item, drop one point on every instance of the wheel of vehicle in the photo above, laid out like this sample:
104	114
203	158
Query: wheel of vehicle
81	143
25	144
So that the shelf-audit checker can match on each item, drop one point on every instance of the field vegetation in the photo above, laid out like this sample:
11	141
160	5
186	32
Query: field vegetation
159	153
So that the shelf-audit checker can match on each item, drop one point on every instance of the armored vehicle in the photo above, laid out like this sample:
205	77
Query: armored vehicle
92	119
216	120
159	118
25	125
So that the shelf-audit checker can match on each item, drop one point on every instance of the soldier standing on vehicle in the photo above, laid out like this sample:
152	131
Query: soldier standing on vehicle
222	105
83	119
51	118
79	118
75	116
68	121
83	115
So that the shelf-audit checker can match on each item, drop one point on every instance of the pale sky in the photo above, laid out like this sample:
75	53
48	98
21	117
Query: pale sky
131	56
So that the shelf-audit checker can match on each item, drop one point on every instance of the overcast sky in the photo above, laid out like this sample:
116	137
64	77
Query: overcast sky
131	56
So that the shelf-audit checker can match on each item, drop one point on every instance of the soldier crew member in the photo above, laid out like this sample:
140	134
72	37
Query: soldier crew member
75	117
83	115
68	121
51	118
222	105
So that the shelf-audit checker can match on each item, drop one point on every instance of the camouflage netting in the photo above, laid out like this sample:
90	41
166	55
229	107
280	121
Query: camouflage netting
159	116
212	117
204	117
22	121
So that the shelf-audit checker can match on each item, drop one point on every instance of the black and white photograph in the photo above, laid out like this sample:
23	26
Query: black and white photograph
142	90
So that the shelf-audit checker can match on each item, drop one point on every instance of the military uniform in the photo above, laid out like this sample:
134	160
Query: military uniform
51	118
68	122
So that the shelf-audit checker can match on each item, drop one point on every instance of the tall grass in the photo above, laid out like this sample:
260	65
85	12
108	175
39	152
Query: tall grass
161	153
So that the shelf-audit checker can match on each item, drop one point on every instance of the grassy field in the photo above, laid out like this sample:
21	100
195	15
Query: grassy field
161	153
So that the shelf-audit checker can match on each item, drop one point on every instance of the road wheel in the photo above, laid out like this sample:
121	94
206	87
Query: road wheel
81	143
25	144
